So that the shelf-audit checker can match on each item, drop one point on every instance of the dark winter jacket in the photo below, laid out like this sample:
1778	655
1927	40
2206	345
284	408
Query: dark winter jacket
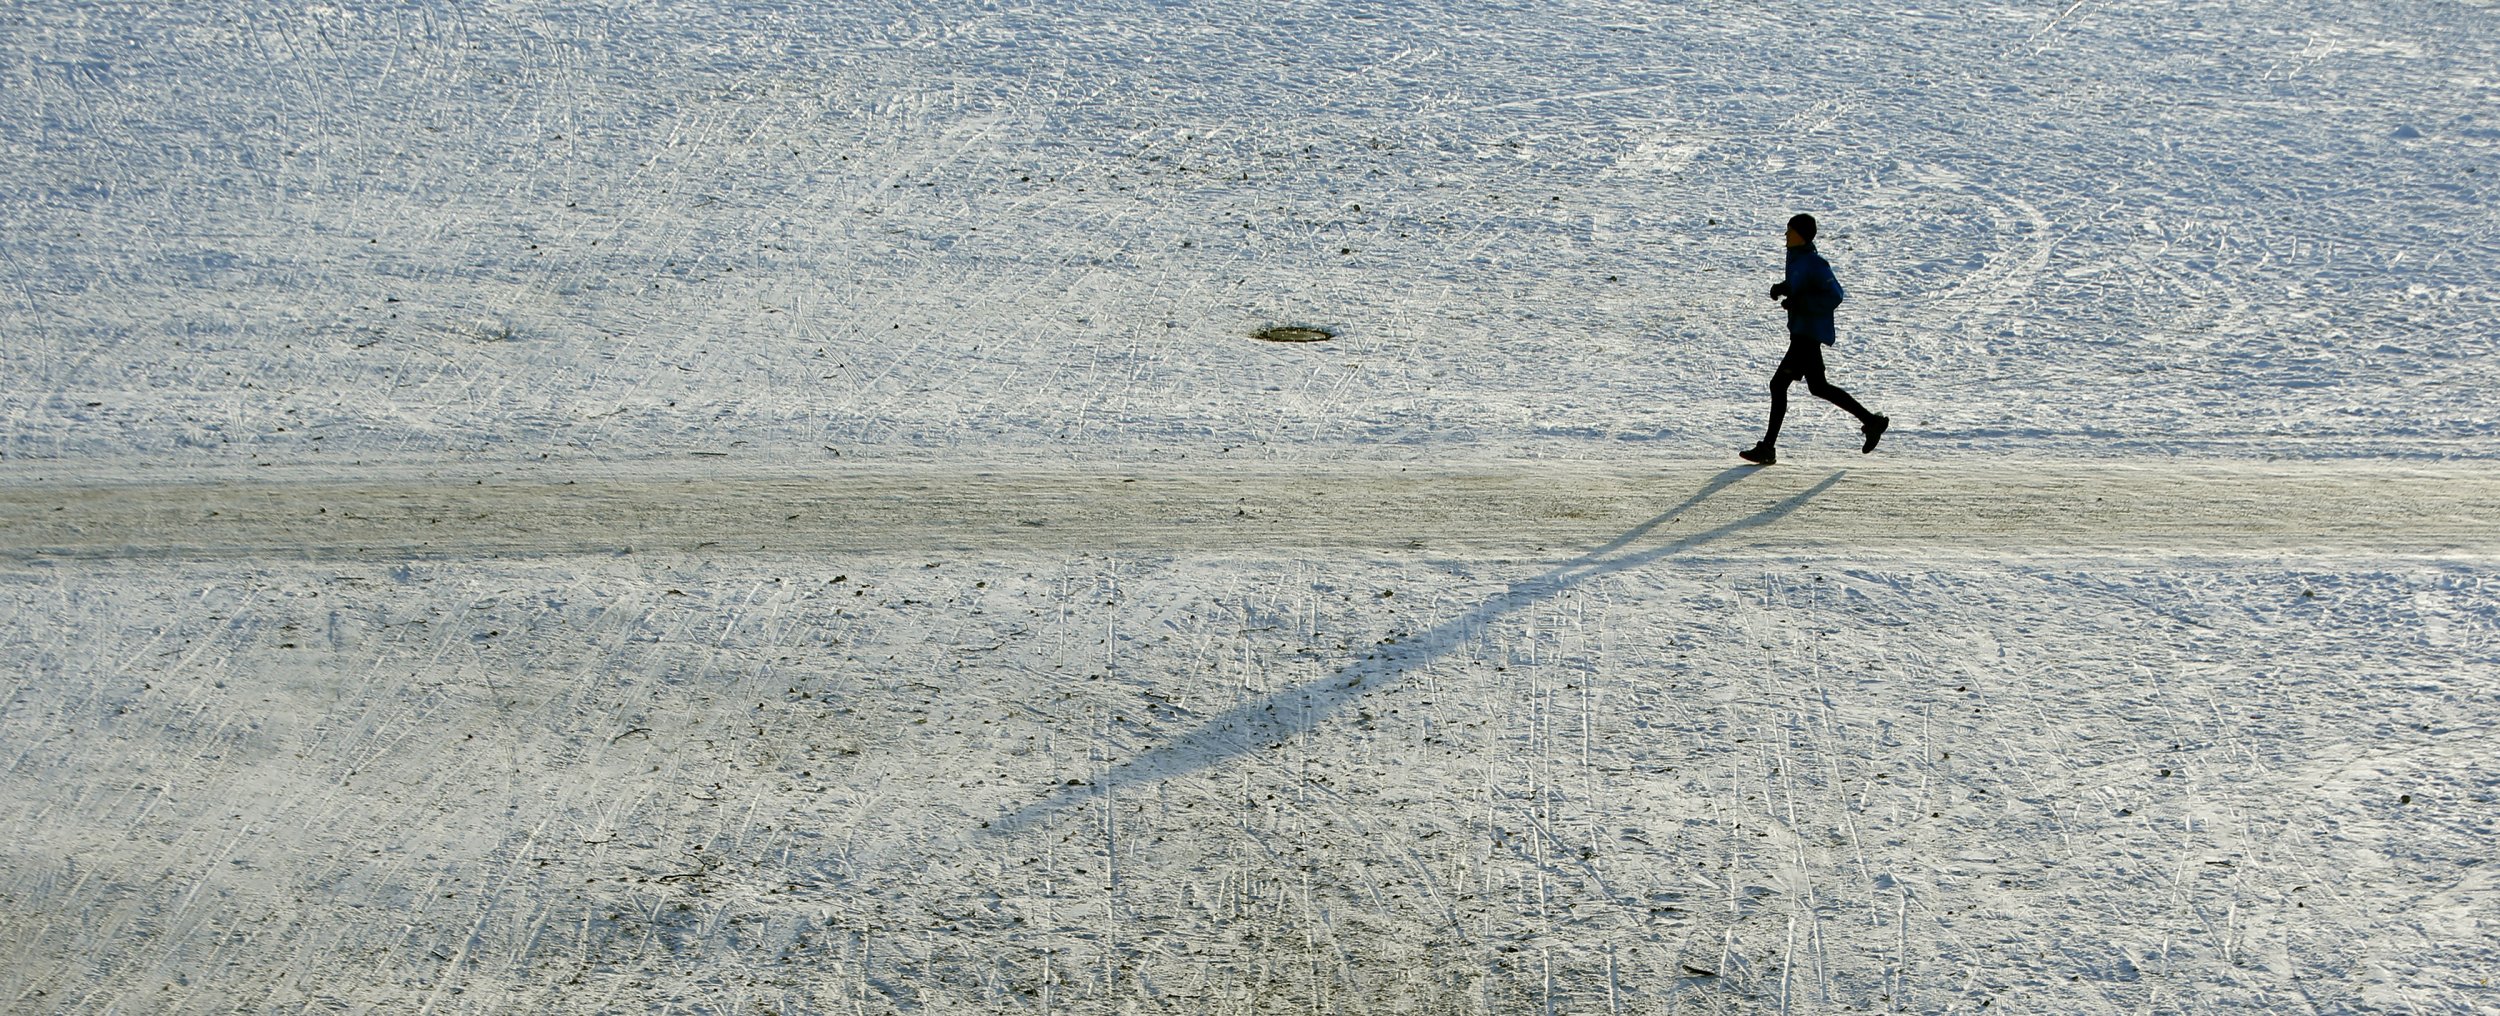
1813	293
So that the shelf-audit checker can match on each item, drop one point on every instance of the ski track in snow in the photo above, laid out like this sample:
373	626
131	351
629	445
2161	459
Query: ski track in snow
1917	733
349	234
1381	782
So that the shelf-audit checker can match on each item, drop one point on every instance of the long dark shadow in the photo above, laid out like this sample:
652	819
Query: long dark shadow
1285	714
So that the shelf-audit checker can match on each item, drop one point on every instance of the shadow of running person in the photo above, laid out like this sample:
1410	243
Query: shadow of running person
1279	717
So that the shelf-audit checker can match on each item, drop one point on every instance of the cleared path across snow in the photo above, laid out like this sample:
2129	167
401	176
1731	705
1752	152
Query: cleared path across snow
1875	505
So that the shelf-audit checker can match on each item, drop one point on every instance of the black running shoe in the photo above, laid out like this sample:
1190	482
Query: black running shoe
1759	455
1874	432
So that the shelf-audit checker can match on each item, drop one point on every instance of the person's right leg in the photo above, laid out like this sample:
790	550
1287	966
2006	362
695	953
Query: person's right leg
1822	388
1870	423
1831	393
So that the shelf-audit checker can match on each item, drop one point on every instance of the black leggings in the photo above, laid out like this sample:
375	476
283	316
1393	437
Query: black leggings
1805	360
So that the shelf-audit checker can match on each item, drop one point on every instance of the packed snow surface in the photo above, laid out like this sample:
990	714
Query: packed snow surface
743	507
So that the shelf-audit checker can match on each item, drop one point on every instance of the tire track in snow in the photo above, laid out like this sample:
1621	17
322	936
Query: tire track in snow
1499	509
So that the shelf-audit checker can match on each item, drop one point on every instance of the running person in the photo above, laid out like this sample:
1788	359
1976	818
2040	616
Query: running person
1811	294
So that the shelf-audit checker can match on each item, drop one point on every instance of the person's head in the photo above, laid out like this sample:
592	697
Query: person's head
1801	230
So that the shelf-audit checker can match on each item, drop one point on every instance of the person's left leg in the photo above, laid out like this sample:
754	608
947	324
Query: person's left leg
1792	367
1779	407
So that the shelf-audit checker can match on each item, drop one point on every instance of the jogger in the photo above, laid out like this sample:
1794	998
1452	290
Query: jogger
1811	293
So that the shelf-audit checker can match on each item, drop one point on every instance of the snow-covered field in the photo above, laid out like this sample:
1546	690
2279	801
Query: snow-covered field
710	508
